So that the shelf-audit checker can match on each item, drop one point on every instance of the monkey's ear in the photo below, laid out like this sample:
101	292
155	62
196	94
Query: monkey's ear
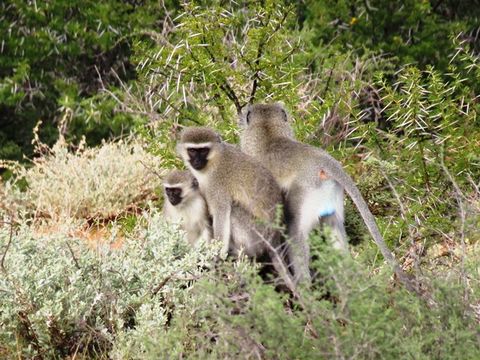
247	117
281	105
244	116
285	114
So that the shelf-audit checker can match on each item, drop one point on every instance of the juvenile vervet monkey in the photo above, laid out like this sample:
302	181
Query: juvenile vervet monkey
312	180
185	205
242	196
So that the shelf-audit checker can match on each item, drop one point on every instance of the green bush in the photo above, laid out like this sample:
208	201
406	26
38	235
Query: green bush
408	135
56	60
348	313
60	298
158	298
409	32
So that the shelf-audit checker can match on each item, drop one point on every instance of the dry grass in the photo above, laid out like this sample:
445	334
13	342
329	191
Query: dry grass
86	183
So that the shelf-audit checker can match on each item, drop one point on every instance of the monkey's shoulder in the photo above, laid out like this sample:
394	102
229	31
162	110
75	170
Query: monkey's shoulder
237	161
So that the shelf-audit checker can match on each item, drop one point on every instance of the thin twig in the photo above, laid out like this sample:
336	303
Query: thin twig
403	214
2	263
458	197
157	288
225	87
329	79
474	185
153	171
77	265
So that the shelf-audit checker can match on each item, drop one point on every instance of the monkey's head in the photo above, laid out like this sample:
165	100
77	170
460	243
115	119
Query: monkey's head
197	146
265	121
179	186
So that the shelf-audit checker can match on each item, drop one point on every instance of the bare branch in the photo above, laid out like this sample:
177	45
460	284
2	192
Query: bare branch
153	171
157	288
7	247
226	88
77	265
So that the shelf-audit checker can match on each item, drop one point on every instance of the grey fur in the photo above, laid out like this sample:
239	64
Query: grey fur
242	196
297	167
191	213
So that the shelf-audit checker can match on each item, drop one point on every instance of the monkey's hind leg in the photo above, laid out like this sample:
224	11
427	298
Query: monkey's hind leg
300	221
331	213
339	236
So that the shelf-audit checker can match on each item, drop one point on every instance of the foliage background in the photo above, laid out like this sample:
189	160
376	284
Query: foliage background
92	98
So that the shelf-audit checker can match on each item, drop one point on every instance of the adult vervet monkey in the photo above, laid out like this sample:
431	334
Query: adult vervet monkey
313	181
233	183
185	205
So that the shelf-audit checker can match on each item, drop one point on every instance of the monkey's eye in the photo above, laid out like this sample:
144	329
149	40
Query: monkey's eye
192	152
201	152
174	191
204	151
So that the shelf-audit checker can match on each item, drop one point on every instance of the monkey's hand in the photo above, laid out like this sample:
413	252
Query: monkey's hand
220	257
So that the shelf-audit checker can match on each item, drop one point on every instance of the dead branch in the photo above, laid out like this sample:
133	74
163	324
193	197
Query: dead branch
157	288
7	247
75	261
225	87
153	171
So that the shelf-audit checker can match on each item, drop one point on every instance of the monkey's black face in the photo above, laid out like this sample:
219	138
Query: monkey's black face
198	157
174	195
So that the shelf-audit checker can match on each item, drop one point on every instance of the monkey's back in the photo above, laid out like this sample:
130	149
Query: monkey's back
289	160
257	190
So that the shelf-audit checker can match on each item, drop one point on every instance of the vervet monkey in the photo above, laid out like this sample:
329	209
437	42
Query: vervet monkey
242	196
185	205
312	180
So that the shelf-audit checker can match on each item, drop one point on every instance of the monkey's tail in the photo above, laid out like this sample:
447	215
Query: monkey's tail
352	190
